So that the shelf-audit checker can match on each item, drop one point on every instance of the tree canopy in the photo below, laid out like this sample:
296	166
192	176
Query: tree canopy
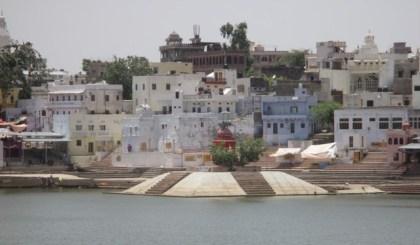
323	113
16	60
248	150
122	70
237	35
293	58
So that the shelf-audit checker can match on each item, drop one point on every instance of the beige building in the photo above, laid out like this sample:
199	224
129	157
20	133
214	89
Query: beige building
92	136
171	68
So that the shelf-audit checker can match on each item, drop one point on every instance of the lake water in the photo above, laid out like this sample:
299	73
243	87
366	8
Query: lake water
91	217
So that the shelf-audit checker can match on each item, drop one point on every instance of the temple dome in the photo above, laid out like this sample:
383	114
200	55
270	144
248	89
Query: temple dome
173	38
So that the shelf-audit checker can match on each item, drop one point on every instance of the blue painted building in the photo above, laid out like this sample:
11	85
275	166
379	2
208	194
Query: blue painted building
287	117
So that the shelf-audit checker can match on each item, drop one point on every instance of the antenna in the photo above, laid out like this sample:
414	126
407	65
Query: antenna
196	30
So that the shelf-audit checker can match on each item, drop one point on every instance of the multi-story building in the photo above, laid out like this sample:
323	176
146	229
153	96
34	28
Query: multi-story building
364	128
217	92
91	136
205	56
287	117
96	98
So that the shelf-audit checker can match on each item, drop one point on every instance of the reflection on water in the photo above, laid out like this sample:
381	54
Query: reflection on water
39	216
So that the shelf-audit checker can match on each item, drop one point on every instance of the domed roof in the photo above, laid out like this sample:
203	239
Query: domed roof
173	38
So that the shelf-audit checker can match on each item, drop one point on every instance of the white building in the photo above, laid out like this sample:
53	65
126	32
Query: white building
4	33
217	92
151	140
96	98
365	128
375	99
157	91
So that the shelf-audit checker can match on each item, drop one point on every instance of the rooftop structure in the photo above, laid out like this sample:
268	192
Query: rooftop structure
4	33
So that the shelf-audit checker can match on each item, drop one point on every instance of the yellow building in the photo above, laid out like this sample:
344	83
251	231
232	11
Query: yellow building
93	136
10	99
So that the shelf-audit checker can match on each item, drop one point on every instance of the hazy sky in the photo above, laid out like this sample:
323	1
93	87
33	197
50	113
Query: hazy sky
66	31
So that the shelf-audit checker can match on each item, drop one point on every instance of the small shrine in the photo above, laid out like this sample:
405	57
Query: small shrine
224	137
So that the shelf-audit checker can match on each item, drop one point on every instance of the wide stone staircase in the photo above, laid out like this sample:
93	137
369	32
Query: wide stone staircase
253	183
373	169
166	183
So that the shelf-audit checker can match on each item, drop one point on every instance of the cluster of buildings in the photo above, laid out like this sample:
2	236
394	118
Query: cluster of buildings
174	113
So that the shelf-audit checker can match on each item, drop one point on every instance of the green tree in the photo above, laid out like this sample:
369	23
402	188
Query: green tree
293	58
323	113
224	157
238	40
16	60
237	35
250	150
122	70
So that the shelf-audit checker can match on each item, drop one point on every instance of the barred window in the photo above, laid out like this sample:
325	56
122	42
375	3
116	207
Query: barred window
383	123
344	123
396	122
357	123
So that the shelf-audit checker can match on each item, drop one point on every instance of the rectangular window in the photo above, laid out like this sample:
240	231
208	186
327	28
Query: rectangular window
396	122
268	125
275	129
154	86
293	109
417	88
383	123
91	127
102	127
344	123
168	86
78	143
369	103
92	97
357	123
351	141
79	127
90	147
106	98
372	119
143	86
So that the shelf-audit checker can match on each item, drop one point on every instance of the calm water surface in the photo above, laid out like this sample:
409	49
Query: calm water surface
91	217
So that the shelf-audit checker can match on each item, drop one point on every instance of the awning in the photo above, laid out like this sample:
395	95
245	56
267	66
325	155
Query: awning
411	146
320	152
284	151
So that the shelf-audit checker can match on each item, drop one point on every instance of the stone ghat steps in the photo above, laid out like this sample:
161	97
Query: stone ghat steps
253	183
400	188
153	172
391	172
331	177
33	169
116	184
107	175
166	183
